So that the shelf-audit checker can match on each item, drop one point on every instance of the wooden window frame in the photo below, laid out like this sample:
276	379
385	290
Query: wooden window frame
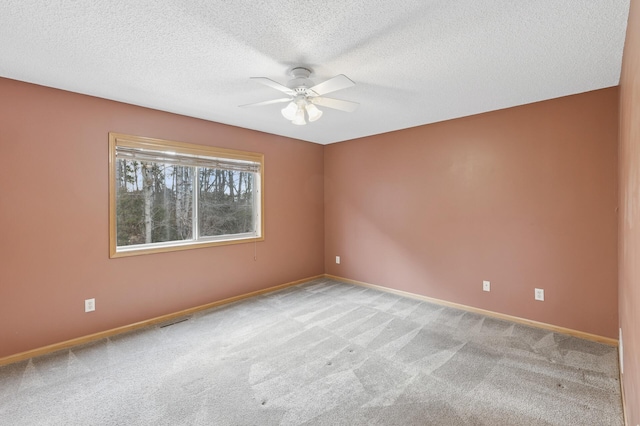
122	140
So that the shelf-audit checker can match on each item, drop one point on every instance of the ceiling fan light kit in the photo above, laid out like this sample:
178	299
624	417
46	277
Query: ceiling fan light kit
304	96
295	111
289	112
299	119
313	112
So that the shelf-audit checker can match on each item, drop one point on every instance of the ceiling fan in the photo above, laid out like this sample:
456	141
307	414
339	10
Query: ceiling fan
304	95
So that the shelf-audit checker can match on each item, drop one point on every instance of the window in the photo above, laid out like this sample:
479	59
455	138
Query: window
166	196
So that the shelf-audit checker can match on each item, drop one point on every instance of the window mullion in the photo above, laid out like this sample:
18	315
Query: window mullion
194	211
257	226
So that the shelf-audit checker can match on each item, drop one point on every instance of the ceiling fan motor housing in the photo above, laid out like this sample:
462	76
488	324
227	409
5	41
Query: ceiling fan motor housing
300	82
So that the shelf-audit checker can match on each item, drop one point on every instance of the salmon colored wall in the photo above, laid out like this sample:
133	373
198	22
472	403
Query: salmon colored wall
523	197
54	248
629	222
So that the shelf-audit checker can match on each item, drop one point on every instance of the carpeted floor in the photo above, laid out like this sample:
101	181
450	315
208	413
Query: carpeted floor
321	353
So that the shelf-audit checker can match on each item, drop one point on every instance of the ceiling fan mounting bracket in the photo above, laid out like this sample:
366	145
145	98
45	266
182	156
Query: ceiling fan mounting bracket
300	82
301	72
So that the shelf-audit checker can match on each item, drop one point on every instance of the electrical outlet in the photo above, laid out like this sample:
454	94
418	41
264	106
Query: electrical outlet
486	285
539	294
338	260
90	305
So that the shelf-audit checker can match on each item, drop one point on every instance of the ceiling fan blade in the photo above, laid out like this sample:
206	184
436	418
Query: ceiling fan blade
274	84
338	82
263	103
347	106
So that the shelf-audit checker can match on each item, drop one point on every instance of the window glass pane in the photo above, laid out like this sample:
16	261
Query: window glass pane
154	202
225	202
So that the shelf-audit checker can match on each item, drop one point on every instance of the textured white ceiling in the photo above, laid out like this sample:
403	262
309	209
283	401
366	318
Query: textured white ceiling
414	62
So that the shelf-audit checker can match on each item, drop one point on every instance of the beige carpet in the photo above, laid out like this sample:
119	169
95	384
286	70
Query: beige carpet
321	353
